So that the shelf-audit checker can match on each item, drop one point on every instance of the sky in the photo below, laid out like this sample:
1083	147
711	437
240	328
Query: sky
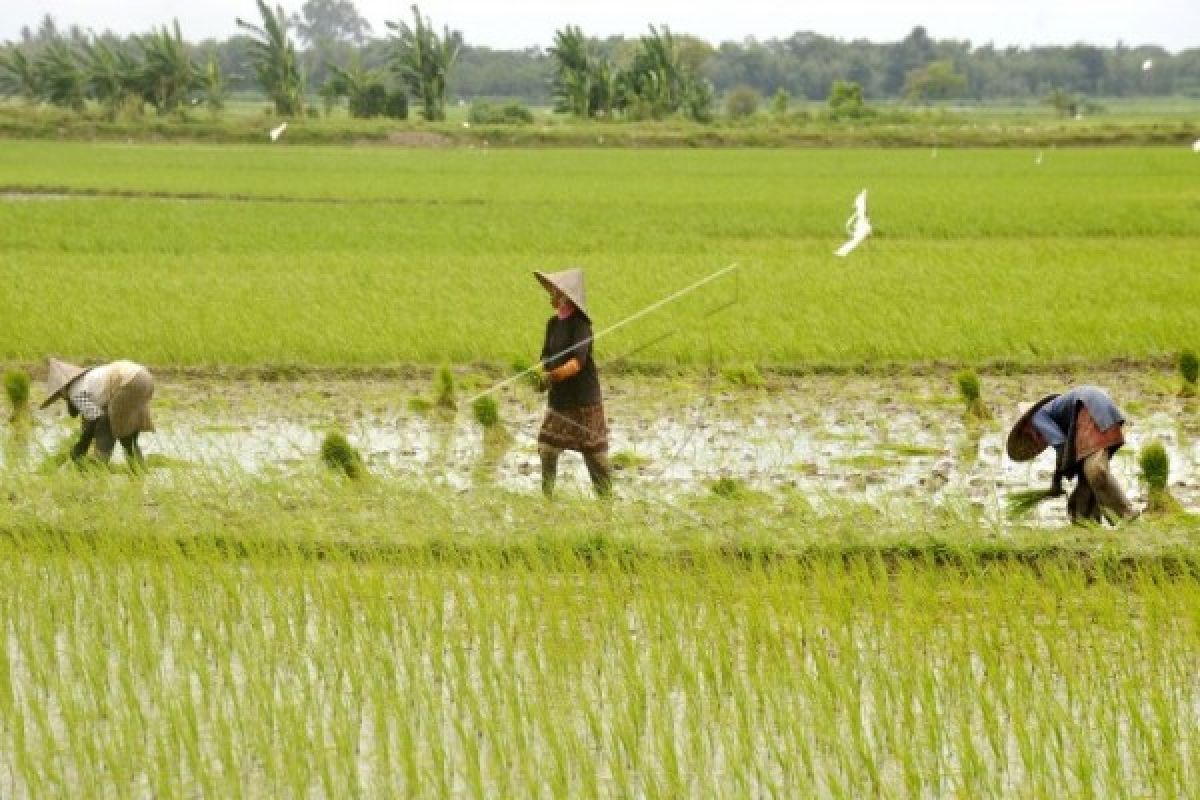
1173	24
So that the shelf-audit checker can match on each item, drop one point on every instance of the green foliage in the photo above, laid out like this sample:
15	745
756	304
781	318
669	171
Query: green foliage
213	85
1155	465
742	101
938	80
273	57
60	80
423	61
1021	503
661	81
846	100
486	411
168	74
339	455
482	113
366	92
444	388
1189	371
115	77
780	102
728	488
746	376
574	67
19	76
16	387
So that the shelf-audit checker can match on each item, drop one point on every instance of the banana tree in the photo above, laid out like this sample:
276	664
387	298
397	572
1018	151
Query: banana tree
168	73
273	56
60	80
114	75
18	76
423	60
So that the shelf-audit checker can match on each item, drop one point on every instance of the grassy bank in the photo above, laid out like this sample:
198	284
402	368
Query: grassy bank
350	257
892	128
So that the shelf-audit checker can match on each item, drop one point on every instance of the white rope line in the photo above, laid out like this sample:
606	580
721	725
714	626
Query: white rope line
616	325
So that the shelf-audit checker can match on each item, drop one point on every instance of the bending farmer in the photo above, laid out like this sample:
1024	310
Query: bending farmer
113	400
575	410
1083	426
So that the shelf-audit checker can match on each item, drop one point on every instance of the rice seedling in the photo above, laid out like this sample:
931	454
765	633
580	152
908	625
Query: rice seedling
486	411
1155	465
340	456
971	391
16	388
444	388
743	375
1189	371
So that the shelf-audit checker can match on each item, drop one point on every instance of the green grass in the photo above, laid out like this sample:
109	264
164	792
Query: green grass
425	255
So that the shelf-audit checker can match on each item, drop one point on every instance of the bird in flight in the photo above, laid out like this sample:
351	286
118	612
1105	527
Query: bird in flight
276	132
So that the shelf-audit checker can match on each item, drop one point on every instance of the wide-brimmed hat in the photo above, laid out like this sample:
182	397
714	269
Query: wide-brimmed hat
569	282
1023	444
59	376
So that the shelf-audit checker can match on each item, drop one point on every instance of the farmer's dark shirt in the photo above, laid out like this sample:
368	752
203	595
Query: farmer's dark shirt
1055	421
566	339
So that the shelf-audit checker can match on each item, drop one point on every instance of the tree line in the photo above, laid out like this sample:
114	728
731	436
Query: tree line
327	54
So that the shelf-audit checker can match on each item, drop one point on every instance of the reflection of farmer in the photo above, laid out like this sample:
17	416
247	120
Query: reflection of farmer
114	401
1083	425
575	410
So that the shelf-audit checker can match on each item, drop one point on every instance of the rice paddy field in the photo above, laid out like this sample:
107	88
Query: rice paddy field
805	584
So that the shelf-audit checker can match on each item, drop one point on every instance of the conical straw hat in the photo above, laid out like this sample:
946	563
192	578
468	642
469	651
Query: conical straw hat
59	376
569	282
1022	445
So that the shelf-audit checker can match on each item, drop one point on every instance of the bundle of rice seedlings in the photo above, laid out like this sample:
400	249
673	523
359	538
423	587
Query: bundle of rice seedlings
744	375
443	388
339	455
1022	503
971	390
16	386
1189	370
486	412
1156	472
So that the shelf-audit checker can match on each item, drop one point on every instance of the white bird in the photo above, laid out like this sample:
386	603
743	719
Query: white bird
1148	65
1196	146
278	131
858	226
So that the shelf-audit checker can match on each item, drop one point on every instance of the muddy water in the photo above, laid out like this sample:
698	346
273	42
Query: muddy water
827	437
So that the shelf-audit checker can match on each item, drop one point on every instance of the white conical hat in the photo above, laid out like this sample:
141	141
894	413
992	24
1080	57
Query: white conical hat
569	282
59	376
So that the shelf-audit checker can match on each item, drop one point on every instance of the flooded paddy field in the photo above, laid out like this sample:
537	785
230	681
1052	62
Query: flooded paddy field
853	437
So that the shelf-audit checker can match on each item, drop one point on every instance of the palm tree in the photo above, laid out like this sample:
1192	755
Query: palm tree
572	71
18	76
274	59
113	74
213	84
423	60
60	80
168	74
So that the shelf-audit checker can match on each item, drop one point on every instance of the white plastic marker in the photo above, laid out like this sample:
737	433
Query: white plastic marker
1147	65
858	226
631	318
278	131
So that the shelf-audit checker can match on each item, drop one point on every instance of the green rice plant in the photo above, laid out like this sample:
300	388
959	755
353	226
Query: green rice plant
1021	503
1155	465
971	391
728	488
340	456
486	411
744	375
420	405
627	459
1189	371
444	388
16	387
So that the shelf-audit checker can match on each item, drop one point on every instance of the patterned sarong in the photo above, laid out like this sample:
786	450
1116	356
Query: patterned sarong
583	429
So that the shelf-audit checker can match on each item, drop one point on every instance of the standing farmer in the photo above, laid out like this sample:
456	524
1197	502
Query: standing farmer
575	409
1083	425
113	400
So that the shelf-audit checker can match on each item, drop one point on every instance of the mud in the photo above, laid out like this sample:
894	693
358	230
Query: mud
827	437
